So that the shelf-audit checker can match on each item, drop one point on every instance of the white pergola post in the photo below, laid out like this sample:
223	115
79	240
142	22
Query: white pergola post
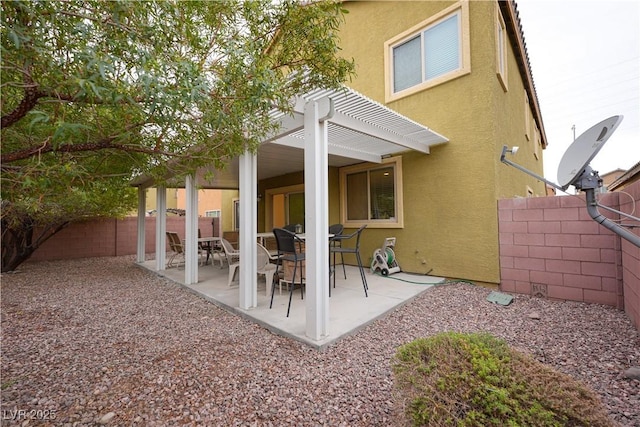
191	232
316	166
161	228
141	247
248	183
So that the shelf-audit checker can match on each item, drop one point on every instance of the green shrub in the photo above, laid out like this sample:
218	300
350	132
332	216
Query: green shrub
454	379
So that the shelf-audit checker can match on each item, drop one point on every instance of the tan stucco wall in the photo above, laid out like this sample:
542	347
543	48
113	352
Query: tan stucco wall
450	195
151	198
296	179
509	130
228	196
208	200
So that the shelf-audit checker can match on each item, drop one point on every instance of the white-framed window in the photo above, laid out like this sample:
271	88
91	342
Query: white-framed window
212	214
501	49
428	54
372	194
527	117
536	142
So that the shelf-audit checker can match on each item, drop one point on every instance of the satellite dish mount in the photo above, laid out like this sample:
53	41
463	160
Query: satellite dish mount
574	170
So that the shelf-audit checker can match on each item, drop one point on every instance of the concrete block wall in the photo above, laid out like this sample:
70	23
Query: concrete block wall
631	257
550	246
109	237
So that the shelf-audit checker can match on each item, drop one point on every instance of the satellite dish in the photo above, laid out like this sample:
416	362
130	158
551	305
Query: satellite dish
574	170
577	157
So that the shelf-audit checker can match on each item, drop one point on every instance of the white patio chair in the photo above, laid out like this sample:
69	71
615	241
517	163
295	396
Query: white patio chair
266	267
233	258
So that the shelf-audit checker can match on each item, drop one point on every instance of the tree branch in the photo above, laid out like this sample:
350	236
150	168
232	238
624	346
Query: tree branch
103	144
29	101
32	94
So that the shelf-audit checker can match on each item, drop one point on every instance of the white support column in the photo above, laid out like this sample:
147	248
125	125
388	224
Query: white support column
161	228
191	232
248	231
316	217
141	250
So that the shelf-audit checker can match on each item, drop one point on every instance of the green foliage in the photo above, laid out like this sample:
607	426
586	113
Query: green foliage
454	379
95	92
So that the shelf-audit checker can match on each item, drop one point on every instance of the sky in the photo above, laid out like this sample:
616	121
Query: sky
585	61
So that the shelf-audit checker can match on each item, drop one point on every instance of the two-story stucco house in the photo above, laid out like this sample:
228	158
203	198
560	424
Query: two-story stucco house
411	149
461	68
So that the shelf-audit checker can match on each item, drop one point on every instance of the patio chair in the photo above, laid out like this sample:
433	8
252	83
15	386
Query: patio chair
176	246
265	267
351	250
178	250
336	230
290	250
232	257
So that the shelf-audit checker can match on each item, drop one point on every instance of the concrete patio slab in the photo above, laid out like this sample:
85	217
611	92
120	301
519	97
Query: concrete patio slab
349	309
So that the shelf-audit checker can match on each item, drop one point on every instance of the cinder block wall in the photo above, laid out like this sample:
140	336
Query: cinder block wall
550	246
631	257
109	237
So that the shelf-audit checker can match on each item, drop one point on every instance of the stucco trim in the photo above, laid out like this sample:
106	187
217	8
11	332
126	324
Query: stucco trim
502	55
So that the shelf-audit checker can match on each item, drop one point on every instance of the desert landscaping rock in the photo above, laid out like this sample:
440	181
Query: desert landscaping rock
84	339
106	418
633	373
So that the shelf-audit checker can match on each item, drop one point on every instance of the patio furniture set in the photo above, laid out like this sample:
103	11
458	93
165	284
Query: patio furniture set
284	266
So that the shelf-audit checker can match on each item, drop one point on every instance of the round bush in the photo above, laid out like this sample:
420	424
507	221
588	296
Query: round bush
455	379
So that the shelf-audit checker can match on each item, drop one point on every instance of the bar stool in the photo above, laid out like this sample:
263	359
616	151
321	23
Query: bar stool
354	250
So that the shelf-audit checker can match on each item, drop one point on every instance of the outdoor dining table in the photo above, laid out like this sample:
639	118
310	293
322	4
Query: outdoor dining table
263	236
208	244
211	240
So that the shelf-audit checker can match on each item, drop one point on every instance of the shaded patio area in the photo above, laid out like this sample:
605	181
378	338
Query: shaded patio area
325	129
349	309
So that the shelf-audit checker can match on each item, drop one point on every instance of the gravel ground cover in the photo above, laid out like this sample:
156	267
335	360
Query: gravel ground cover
102	341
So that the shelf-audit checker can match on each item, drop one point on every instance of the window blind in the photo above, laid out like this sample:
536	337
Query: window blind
407	66
442	48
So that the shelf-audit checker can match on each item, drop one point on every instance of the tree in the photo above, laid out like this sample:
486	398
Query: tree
95	92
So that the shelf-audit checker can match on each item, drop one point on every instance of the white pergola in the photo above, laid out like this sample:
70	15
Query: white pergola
327	128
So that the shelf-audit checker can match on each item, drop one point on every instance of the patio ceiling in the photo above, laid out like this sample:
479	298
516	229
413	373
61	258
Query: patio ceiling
359	130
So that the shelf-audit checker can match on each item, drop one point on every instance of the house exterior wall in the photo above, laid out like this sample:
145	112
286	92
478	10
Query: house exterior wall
208	200
609	177
151	198
298	179
228	196
450	220
550	246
